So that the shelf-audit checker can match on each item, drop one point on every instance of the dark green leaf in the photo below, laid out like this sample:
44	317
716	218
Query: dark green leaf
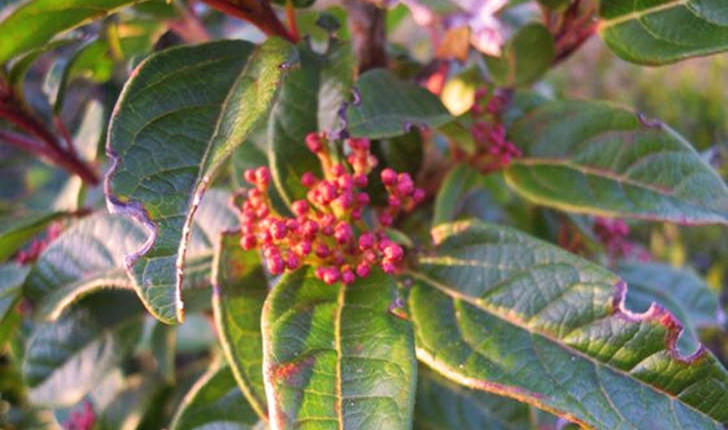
12	278
589	157
499	311
308	102
390	107
335	356
527	56
680	291
200	102
464	192
442	405
34	24
66	358
240	290
664	31
215	402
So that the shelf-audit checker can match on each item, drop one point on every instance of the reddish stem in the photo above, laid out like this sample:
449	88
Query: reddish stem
291	19
259	13
48	146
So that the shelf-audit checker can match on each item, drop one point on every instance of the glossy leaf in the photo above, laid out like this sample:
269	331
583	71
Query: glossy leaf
499	311
309	100
335	357
680	291
200	102
33	24
12	278
132	404
66	358
441	404
664	31
17	230
590	157
240	290
525	58
389	107
215	401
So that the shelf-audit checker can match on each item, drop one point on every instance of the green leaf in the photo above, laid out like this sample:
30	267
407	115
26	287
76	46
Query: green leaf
81	346
12	278
680	291
200	102
215	401
664	31
91	255
442	404
498	311
35	23
308	102
390	107
525	58
467	193
595	158
240	290
334	357
16	230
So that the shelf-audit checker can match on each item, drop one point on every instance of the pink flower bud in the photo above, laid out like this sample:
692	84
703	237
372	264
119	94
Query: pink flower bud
276	265
314	143
299	207
331	275
292	262
262	176
278	230
302	248
338	170
322	251
363	269
405	186
249	175
393	202
343	232
308	179
359	144
366	241
385	219
248	242
419	195
389	268
393	252
361	180
389	176
309	228
347	276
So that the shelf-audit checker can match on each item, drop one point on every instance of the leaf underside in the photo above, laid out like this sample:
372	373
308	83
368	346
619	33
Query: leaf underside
498	311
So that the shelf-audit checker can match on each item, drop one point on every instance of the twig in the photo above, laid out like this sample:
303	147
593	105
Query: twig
257	12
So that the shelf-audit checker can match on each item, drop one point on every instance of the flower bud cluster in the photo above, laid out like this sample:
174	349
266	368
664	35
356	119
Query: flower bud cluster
494	150
81	420
327	230
613	234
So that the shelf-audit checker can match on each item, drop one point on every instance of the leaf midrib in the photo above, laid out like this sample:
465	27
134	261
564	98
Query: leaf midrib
635	15
454	294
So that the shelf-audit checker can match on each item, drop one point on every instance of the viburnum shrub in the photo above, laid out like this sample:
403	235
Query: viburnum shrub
363	214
